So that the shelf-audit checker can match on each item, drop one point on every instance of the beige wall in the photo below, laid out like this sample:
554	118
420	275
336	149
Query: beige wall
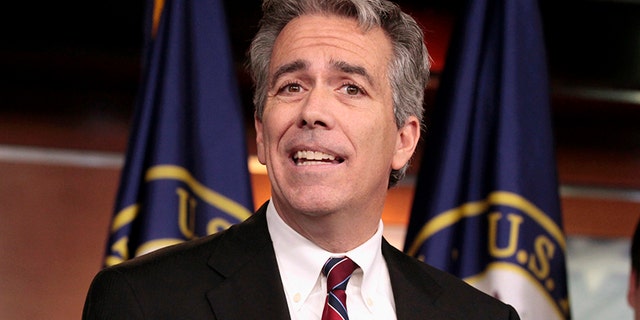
53	227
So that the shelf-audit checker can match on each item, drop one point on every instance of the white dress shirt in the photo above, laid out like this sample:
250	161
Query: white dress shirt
369	293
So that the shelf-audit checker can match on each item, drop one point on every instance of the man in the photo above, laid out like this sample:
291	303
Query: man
339	90
633	294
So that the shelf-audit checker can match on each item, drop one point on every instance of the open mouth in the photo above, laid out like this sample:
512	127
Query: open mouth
309	158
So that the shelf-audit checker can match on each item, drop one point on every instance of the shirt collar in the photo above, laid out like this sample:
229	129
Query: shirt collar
296	255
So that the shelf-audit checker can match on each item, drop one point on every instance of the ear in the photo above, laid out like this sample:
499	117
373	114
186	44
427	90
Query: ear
407	140
259	139
632	290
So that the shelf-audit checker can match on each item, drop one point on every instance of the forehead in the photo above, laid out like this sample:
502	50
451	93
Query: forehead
320	39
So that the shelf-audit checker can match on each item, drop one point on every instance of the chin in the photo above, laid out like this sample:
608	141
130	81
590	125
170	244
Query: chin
313	204
313	208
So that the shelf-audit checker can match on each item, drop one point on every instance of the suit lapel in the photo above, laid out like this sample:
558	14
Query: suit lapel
250	287
414	292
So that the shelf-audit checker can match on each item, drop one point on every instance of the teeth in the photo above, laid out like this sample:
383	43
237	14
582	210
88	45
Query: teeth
312	156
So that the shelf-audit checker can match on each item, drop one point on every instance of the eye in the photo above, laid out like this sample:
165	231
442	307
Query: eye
352	89
290	87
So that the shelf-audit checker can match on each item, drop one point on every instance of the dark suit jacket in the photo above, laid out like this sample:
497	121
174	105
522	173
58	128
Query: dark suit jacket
234	275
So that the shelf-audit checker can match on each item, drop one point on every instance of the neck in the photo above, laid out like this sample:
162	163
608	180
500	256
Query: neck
335	232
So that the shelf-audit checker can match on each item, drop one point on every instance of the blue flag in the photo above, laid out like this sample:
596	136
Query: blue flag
486	205
185	173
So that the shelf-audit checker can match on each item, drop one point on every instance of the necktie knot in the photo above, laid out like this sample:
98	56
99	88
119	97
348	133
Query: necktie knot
338	272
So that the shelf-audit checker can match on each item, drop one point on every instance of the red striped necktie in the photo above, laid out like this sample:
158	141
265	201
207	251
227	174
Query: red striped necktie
338	272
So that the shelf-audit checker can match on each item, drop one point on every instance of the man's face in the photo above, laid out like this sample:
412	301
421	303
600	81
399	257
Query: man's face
328	135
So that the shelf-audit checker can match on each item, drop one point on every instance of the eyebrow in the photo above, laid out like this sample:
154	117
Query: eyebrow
288	68
300	64
352	69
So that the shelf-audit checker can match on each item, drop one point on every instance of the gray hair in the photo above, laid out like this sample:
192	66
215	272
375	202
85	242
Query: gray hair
408	69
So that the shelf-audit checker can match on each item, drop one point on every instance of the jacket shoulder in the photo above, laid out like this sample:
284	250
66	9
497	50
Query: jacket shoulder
424	289
174	279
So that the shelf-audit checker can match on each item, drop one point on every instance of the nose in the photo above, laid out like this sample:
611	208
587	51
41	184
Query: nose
316	110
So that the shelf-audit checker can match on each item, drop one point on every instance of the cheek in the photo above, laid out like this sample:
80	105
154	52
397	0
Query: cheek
378	141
